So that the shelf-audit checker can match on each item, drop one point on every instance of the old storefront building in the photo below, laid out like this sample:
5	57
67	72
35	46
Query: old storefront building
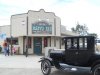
42	29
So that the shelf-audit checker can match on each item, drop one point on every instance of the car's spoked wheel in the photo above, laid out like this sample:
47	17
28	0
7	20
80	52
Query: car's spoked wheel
46	67
96	70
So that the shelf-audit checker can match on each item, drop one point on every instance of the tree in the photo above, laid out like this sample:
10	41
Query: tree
80	29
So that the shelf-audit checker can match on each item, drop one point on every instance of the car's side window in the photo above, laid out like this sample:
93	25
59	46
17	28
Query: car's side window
72	44
75	43
83	43
68	43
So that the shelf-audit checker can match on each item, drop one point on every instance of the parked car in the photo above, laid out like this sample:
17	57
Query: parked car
79	51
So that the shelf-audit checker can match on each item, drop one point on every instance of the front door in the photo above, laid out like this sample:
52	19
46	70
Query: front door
85	50
37	45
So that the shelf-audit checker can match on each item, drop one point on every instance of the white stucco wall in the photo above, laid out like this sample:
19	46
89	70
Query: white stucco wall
36	16
18	25
58	26
49	41
58	42
20	42
52	42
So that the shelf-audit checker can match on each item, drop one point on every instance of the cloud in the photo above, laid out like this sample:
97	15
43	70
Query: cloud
11	7
70	11
28	3
82	11
94	2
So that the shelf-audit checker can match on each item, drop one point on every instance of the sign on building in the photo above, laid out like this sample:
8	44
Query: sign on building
42	27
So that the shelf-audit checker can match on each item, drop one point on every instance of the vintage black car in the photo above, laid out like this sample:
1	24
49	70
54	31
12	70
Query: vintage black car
79	51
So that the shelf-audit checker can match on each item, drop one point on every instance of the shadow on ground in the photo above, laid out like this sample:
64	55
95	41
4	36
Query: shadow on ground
78	72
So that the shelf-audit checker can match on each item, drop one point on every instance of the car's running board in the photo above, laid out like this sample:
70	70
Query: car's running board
72	68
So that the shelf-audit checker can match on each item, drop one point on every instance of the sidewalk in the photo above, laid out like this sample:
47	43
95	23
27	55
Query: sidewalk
19	61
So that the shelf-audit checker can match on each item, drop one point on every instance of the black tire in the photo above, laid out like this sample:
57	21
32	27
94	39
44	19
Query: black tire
96	70
46	67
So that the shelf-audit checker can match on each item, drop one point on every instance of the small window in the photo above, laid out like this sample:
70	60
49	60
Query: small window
85	43
45	42
75	43
29	42
68	43
82	43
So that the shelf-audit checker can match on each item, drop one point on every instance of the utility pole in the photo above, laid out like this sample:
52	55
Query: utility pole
11	44
11	35
27	38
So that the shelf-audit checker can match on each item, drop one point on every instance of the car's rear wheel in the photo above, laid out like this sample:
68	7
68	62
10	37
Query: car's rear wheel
96	70
46	67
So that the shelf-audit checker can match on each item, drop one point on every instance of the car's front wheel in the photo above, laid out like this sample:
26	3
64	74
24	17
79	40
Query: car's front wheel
96	70
46	67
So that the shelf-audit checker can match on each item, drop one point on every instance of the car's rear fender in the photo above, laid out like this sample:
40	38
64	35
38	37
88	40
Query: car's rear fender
95	63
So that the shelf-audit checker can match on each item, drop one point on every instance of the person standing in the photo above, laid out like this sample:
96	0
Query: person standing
0	49
8	48
5	47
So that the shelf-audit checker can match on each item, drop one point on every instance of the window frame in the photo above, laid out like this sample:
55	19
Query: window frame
74	44
84	44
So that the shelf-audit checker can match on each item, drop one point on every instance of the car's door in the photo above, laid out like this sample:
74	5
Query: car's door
78	50
86	48
71	51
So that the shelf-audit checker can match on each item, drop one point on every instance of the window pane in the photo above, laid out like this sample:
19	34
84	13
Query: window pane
75	43
72	44
68	43
29	42
85	43
82	43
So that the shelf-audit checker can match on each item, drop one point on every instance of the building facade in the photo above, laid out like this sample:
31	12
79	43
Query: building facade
36	30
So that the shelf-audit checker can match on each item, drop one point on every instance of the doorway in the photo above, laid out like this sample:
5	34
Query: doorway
37	45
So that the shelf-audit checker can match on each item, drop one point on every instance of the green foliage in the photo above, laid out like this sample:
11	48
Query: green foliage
80	29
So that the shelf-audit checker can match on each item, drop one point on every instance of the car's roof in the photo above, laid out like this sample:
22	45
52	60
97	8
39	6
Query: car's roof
79	37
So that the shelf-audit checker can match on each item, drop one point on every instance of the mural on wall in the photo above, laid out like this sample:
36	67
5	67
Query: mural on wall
3	36
42	27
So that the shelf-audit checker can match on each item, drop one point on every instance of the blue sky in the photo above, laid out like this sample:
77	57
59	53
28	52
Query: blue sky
70	11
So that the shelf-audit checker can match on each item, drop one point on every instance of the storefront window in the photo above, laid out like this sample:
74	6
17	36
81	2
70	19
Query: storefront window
45	42
14	41
29	42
